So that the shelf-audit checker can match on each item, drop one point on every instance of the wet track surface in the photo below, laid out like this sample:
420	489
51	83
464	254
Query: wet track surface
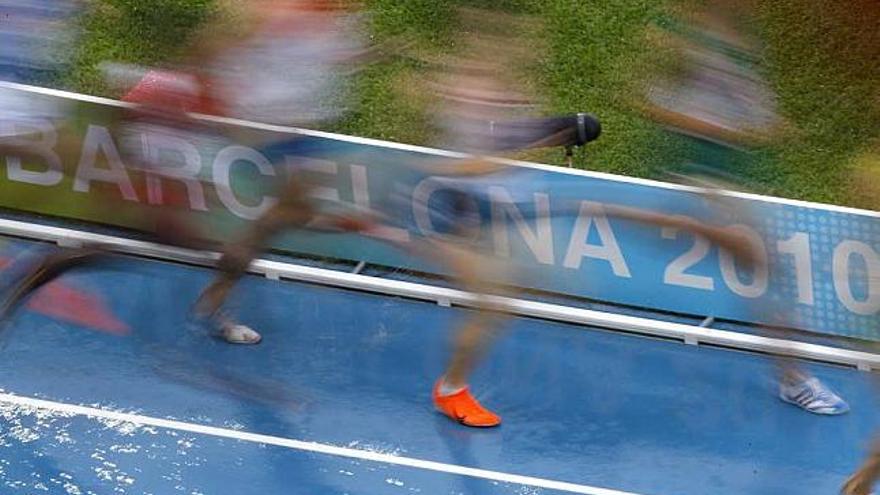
341	368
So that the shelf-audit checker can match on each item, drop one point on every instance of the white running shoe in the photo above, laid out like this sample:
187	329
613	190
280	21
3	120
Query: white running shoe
235	333
220	326
812	395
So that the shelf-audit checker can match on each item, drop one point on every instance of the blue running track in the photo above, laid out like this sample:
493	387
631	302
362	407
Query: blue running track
593	408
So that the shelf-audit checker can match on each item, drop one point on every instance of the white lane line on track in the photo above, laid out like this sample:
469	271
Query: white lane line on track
315	447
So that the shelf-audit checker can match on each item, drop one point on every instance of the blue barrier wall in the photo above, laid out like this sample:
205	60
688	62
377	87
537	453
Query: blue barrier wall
823	272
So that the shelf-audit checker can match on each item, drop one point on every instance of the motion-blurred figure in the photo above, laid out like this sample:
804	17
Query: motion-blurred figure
35	37
866	180
163	99
720	107
476	101
292	70
481	112
150	139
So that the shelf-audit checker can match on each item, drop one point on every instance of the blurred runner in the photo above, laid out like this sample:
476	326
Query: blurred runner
295	66
720	107
35	38
473	92
480	114
866	184
150	135
292	71
163	99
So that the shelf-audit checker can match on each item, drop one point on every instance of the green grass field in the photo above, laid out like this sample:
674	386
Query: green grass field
821	57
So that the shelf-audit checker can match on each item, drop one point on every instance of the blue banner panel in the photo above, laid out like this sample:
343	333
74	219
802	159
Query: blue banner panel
553	224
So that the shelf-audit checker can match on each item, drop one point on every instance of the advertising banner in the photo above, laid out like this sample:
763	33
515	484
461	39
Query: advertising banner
552	223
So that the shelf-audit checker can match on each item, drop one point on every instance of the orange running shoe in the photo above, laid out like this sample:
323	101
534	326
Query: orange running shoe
464	408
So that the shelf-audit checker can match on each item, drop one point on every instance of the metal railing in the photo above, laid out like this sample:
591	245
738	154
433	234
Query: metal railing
276	270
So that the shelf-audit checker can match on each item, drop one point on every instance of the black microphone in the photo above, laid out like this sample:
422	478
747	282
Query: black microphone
545	132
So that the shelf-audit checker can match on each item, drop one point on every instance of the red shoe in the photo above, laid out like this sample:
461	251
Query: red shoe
464	408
